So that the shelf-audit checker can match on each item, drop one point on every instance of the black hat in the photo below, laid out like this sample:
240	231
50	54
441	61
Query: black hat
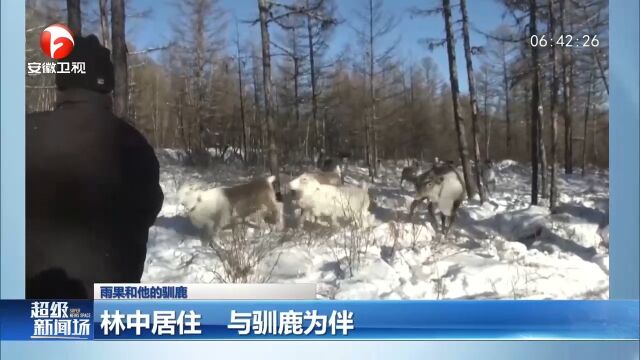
98	74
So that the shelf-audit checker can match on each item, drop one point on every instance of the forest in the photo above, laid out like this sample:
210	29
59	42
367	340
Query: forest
225	98
283	99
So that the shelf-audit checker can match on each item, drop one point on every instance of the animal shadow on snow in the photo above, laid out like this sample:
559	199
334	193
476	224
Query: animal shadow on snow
384	214
179	224
589	214
540	237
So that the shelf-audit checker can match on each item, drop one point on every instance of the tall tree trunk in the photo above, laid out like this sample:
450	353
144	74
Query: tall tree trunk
256	104
567	96
241	96
528	116
242	117
373	166
156	112
472	97
104	23
507	98
268	100
119	56
595	51
553	105
131	89
453	76
296	90
324	129
603	75
314	95
74	17
595	140
487	125
586	124
542	150
535	104
186	138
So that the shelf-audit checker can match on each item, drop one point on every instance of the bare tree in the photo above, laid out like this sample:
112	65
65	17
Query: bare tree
567	68
596	27
536	105
263	8
292	70
240	66
553	188
455	91
257	109
119	57
472	96
314	79
587	107
271	11
542	150
104	22
498	52
376	25
318	29
199	41
485	84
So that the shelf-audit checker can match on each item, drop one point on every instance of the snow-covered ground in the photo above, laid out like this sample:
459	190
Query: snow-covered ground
503	249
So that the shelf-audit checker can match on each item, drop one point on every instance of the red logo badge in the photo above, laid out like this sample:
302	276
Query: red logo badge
56	41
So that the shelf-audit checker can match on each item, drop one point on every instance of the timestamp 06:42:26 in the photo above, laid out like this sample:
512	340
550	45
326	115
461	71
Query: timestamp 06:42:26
564	41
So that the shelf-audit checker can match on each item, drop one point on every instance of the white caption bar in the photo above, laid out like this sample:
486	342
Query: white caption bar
217	291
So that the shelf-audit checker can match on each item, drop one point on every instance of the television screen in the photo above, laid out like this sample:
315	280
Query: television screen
321	170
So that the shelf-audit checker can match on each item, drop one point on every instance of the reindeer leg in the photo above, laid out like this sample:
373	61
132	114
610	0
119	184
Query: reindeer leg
443	219
432	217
454	213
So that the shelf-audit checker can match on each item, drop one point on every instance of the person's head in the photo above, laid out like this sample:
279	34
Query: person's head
99	69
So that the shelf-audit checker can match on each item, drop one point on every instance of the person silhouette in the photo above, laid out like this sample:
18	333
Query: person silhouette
92	186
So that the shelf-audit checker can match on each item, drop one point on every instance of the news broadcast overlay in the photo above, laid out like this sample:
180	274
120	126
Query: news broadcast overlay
368	197
204	291
178	311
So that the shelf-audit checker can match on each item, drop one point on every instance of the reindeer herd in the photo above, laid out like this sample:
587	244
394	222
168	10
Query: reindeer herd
321	194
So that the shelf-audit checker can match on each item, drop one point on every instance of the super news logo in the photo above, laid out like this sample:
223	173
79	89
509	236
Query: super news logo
56	42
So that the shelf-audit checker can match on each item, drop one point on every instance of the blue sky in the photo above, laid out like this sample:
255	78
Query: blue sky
484	14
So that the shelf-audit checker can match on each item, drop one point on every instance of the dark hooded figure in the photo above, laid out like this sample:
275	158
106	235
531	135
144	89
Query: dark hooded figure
92	186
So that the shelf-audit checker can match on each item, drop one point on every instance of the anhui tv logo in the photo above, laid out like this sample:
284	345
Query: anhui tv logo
56	41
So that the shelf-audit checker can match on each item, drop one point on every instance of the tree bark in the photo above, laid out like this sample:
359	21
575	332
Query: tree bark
535	104
296	88
586	124
553	105
104	23
371	133
567	96
487	125
472	97
74	17
241	96
256	104
314	96
542	150
507	98
603	75
459	121
156	112
119	57
268	100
